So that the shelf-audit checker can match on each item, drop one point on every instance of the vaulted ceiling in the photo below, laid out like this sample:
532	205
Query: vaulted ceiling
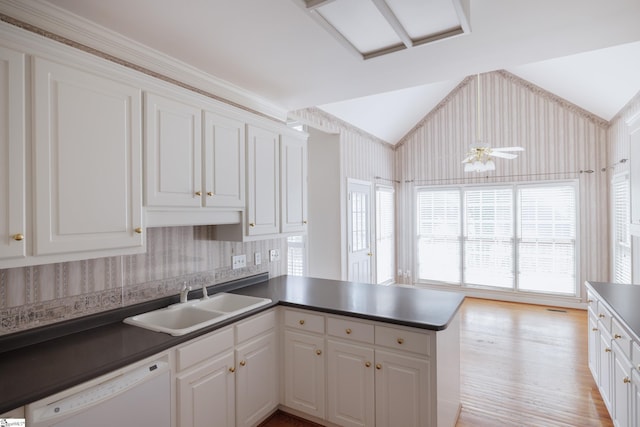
586	51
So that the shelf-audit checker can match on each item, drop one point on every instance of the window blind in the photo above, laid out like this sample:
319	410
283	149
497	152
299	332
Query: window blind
620	195
385	237
296	256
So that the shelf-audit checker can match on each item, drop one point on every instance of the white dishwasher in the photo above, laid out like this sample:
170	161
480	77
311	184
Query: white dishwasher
137	395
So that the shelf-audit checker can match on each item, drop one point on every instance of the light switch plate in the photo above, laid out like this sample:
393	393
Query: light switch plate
257	258
238	261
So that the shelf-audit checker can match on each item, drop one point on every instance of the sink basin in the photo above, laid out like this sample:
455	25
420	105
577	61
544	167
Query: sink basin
180	319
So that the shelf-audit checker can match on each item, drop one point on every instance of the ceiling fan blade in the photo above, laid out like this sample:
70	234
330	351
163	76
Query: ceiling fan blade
508	149
503	155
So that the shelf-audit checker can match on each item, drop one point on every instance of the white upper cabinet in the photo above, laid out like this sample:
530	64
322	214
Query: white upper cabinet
263	186
293	155
12	155
224	159
87	161
173	146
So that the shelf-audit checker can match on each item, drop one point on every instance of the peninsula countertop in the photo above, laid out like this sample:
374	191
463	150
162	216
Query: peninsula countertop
32	371
623	300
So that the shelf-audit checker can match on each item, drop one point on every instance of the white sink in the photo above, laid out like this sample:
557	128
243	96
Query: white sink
182	318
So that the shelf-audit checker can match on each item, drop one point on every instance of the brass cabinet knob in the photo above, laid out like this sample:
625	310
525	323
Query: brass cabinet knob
209	193
369	254
589	301
302	321
400	340
626	380
617	336
304	222
367	364
198	193
607	350
378	366
348	331
602	316
252	224
232	369
594	329
18	237
243	362
318	352
138	230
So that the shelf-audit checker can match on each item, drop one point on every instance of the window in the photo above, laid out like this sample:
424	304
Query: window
296	256
385	238
514	237
620	219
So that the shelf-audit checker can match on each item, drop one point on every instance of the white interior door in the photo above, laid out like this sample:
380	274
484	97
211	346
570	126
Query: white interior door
359	253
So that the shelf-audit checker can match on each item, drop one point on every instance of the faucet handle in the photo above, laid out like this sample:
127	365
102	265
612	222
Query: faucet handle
205	295
184	292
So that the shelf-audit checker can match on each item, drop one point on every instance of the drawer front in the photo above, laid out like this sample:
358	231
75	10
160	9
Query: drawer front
350	329
403	339
592	303
604	317
621	336
256	325
204	348
304	321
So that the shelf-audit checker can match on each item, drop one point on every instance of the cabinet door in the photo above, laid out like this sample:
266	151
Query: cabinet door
620	387
402	390
12	155
604	374
206	395
635	398
256	380
594	348
87	170
350	382
304	375
173	153
224	161
293	156
263	186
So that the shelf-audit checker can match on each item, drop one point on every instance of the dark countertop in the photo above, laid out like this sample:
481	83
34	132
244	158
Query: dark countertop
622	300
34	371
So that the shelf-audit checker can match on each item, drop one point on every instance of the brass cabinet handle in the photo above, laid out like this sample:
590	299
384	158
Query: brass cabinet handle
304	222
318	352
138	230
252	224
400	340
209	193
594	329
367	364
18	237
198	193
369	254
617	336
602	316
607	350
232	369
626	380
302	321
378	366
348	331
589	301
243	362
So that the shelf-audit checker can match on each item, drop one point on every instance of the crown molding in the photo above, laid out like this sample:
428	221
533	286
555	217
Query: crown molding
54	21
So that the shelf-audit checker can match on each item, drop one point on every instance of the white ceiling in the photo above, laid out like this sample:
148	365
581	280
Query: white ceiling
276	51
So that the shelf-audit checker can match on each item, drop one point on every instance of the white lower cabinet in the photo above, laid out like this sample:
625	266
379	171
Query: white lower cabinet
614	361
222	384
376	374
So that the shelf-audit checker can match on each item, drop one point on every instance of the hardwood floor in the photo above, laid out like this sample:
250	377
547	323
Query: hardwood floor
521	365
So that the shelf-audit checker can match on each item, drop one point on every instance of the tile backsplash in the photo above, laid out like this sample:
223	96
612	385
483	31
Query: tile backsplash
44	294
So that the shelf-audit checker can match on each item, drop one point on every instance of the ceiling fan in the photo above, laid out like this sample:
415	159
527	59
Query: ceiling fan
480	156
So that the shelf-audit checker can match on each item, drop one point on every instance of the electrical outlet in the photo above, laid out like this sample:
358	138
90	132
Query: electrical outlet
274	255
257	258
238	261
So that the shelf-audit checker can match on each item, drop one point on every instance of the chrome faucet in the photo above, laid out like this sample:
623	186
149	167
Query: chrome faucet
184	292
205	295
